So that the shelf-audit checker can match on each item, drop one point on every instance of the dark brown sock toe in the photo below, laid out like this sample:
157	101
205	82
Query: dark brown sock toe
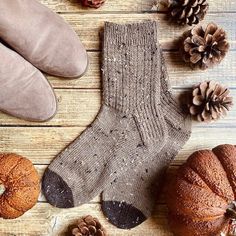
56	190
122	215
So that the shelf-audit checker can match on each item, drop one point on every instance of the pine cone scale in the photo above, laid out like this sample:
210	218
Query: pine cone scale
219	36
198	40
201	48
197	30
212	29
185	2
92	229
203	89
188	13
195	4
195	57
197	11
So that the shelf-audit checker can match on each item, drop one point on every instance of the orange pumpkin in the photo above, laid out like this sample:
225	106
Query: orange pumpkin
201	199
19	185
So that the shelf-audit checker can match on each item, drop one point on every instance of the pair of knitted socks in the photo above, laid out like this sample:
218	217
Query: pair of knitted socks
138	131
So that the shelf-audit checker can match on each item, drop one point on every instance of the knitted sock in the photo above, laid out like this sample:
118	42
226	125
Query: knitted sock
130	199
130	120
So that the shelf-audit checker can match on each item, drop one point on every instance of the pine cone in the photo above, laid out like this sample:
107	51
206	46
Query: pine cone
210	101
88	226
188	11
203	47
93	3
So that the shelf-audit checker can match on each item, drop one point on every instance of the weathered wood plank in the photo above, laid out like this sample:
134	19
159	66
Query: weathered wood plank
75	107
41	145
180	74
92	78
110	6
80	107
129	6
161	199
45	220
88	26
42	218
42	168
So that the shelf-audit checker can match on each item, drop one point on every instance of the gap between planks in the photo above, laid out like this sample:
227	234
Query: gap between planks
78	108
41	145
45	220
128	6
88	26
180	74
170	173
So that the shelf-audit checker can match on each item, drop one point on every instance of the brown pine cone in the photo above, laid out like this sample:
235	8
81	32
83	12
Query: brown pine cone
93	3
203	47
88	226
210	101
188	11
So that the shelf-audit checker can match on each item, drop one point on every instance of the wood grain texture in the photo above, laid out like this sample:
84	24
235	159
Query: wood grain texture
88	26
79	107
44	220
79	102
129	6
180	74
160	199
42	144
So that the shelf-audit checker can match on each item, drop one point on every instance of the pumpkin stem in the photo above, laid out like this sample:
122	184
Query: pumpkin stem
2	189
231	211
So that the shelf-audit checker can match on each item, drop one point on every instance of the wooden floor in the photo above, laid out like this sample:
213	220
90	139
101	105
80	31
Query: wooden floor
79	102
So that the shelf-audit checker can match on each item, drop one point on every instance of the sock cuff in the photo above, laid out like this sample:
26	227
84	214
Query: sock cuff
131	75
131	34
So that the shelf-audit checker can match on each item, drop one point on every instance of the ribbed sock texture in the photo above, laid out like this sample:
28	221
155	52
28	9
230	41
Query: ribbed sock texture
130	122
131	198
132	77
